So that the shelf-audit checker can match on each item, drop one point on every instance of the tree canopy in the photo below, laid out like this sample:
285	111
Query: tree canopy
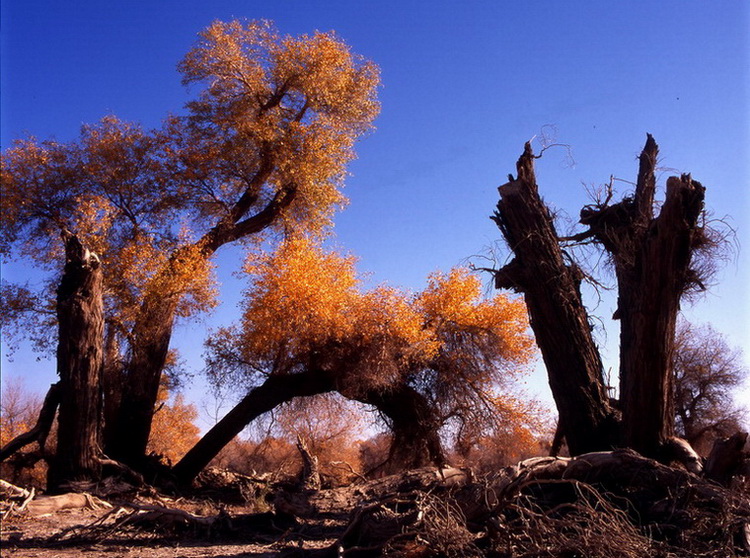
306	310
263	148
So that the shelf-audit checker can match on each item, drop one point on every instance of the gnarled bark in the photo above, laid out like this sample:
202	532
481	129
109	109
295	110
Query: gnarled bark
80	314
127	435
413	423
652	257
551	288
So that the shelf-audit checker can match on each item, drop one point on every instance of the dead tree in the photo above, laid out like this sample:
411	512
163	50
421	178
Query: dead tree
550	283
652	259
80	317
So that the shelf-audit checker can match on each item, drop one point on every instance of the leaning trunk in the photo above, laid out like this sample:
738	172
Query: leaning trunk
266	397
551	289
128	436
80	317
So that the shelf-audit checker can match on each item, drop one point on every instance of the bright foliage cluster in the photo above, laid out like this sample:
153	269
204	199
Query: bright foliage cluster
306	310
263	147
173	430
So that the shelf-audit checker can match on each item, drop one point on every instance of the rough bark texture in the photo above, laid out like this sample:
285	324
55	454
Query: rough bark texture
128	436
273	392
310	475
80	317
651	256
551	288
130	425
652	262
413	423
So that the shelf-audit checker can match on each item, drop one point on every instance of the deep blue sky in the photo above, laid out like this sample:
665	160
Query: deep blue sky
465	84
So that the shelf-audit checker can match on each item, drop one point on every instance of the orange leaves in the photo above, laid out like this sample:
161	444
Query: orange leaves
291	105
306	307
277	119
301	298
466	323
173	430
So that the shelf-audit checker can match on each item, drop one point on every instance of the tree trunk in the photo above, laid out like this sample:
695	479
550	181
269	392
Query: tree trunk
80	315
551	288
128	436
652	262
414	425
273	392
310	474
113	382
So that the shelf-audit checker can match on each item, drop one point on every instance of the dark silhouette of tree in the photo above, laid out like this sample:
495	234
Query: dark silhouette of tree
706	370
653	262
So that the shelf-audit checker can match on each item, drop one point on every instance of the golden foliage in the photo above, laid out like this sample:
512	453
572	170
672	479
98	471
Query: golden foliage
291	104
298	288
265	144
306	309
173	430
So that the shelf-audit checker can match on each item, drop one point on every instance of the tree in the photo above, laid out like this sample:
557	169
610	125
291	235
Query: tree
80	358
550	283
653	262
263	148
330	426
308	328
706	370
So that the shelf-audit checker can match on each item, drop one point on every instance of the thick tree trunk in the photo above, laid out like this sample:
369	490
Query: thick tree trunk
128	437
414	425
273	392
551	288
652	263
80	315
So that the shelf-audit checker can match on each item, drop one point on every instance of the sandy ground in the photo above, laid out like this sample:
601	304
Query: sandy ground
39	537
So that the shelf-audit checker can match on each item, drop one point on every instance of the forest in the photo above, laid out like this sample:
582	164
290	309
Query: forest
365	420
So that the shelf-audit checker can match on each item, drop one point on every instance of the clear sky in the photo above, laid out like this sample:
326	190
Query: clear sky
465	84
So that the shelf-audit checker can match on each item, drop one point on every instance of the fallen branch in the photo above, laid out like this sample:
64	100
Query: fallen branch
41	429
50	504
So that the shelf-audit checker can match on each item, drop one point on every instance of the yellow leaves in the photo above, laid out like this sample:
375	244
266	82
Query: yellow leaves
300	101
278	116
306	306
173	430
453	303
302	289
